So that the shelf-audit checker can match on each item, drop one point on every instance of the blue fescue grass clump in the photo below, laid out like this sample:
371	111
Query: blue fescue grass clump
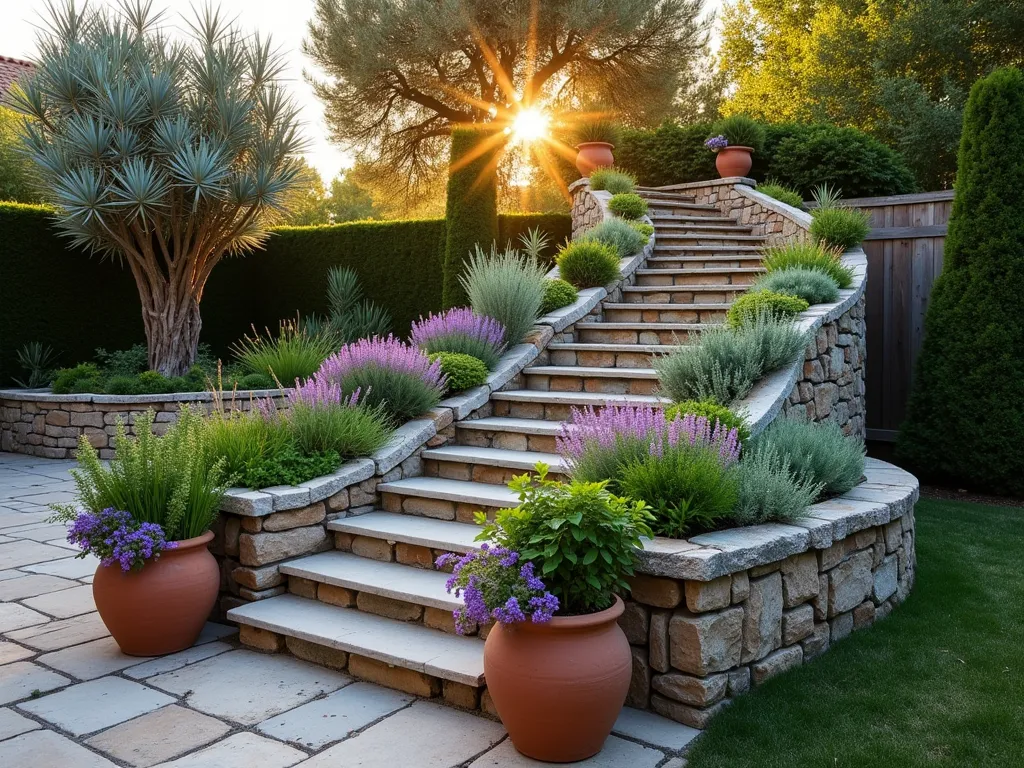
818	453
815	286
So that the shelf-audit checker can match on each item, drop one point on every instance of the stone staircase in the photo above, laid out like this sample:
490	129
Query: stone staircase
375	605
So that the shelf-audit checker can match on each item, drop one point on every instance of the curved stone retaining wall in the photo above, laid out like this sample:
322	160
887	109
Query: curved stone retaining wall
714	615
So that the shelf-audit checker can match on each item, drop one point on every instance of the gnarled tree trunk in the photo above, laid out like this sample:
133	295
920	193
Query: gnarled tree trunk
172	332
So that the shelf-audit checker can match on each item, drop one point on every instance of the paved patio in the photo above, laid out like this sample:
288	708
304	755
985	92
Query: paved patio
70	698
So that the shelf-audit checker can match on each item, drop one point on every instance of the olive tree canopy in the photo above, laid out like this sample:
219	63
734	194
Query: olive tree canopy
167	154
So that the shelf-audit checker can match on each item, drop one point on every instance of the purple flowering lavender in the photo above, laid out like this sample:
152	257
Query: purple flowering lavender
391	375
596	444
494	586
460	330
116	537
716	143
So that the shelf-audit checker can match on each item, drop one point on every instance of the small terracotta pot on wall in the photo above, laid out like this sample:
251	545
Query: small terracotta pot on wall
592	155
559	686
161	608
734	161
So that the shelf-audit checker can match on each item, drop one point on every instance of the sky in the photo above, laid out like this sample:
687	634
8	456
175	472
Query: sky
284	20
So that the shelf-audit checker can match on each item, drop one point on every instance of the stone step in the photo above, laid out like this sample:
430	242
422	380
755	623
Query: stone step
396	643
604	355
709	250
557	406
682	295
664	219
509	433
636	333
696	261
418	586
426	532
444	499
682	206
665	313
708	275
650	193
614	381
486	465
665	229
711	239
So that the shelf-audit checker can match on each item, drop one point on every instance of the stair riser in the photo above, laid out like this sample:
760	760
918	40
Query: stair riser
478	473
510	441
439	509
681	315
681	297
673	229
598	335
379	605
700	238
659	210
696	278
610	386
684	260
520	410
602	359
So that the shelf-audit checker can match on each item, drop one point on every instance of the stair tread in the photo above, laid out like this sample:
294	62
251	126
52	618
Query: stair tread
411	646
494	457
695	306
663	220
707	248
595	371
699	224
575	398
596	346
510	424
712	236
706	271
410	529
617	326
400	582
708	288
665	203
452	490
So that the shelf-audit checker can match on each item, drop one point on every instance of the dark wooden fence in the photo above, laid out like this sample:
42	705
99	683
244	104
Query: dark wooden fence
904	258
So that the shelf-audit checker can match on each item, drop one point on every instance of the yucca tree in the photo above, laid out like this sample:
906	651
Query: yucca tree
165	154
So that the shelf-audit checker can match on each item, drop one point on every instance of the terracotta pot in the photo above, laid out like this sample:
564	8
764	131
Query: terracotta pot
559	686
734	161
163	607
592	155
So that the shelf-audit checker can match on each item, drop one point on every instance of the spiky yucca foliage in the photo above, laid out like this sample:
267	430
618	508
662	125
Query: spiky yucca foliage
165	155
349	315
175	481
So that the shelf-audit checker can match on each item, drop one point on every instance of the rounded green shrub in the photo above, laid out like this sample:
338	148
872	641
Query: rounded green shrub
588	263
617	233
840	227
628	206
965	422
815	286
612	180
154	383
643	228
809	256
669	154
463	371
711	411
256	381
782	193
122	385
558	293
741	131
763	302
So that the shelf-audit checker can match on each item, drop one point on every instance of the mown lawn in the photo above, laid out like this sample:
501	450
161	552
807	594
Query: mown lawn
939	683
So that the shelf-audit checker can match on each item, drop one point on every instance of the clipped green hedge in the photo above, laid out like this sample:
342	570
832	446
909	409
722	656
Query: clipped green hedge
75	303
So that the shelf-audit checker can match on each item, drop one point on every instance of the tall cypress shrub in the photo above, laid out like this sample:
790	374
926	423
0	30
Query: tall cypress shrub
966	415
472	207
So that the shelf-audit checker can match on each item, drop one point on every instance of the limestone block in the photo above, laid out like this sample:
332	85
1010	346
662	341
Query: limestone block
799	579
797	624
655	591
635	623
777	663
762	622
294	518
706	643
264	548
704	596
849	583
687	689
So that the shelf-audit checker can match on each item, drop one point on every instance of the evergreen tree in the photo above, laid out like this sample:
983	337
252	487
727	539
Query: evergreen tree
966	415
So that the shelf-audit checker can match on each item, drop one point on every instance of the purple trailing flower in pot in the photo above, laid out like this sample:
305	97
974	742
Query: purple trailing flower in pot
117	538
716	143
496	586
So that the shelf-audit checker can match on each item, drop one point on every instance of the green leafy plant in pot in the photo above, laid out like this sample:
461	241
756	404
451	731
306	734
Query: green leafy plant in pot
734	139
558	666
147	517
595	139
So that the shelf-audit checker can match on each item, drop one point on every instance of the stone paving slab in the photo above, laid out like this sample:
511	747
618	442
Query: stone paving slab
243	750
95	705
21	585
46	749
176	660
13	724
62	633
90	660
23	678
159	736
65	603
617	753
249	687
13	652
68	567
14	616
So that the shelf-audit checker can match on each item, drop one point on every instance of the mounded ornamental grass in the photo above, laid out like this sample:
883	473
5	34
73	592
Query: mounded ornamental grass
613	180
723	364
754	303
741	131
508	286
782	193
625	238
815	286
818	453
937	684
840	228
588	263
292	354
809	256
770	491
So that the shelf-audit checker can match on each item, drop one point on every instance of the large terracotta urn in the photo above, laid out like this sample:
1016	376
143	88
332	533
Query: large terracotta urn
592	155
559	686
161	608
734	161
